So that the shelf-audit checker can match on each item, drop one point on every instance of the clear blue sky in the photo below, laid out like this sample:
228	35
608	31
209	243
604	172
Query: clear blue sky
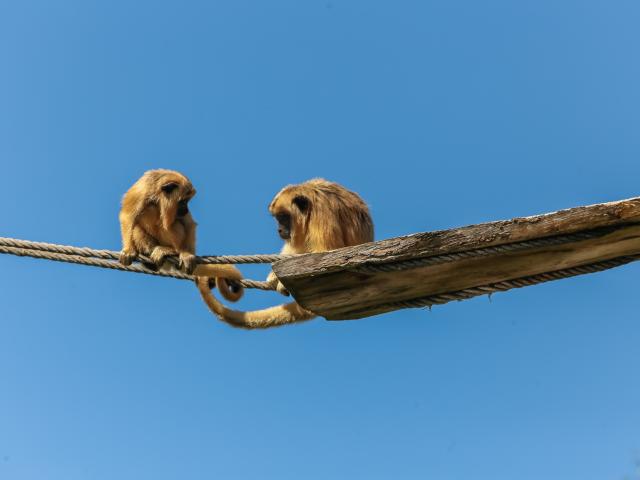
440	113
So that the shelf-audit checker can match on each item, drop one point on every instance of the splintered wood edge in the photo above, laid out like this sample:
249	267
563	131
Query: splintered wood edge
347	295
440	242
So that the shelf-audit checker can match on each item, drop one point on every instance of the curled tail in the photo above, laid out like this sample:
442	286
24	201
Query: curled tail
269	317
229	289
224	279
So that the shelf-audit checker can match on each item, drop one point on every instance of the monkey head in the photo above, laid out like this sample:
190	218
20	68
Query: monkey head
290	213
291	210
319	215
172	193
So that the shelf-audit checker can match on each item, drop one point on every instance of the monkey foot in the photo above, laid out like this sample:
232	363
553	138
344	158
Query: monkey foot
187	262
126	258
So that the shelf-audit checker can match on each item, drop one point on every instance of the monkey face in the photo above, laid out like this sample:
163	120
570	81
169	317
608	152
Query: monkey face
183	208
288	208
181	193
284	225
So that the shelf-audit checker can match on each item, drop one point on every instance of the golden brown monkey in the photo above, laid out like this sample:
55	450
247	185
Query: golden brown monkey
314	216
155	221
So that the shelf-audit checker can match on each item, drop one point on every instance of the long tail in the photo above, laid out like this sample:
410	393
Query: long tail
224	279
267	318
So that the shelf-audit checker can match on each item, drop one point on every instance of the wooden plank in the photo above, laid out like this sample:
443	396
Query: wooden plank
330	284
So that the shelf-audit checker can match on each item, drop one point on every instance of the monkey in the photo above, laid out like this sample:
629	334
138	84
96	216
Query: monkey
314	216
155	221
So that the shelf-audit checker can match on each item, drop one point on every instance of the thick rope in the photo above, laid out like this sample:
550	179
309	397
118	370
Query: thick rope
370	268
111	255
261	258
113	265
106	259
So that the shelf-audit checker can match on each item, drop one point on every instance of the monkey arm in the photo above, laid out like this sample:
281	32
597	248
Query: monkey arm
275	283
272	279
187	248
132	208
134	241
126	229
133	205
189	244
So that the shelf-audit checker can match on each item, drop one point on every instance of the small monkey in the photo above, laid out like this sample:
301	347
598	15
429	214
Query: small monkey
314	216
155	221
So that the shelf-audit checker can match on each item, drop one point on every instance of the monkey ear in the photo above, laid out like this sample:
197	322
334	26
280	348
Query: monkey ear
169	187
302	203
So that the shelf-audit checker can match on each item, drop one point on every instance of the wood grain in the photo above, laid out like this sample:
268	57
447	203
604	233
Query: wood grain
327	283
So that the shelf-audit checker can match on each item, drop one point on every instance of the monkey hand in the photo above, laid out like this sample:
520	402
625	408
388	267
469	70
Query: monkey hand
187	262
159	254
275	284
127	257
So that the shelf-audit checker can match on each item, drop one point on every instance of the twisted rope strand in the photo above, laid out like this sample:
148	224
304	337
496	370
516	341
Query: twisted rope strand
113	265
260	258
107	259
112	255
54	248
94	262
371	268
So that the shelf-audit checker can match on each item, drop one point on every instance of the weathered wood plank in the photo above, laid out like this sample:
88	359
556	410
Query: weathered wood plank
327	283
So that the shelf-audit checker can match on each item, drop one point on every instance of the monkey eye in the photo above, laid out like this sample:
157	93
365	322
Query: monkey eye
301	202
169	187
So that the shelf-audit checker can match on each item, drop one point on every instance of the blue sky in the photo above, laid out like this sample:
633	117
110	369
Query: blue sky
439	113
